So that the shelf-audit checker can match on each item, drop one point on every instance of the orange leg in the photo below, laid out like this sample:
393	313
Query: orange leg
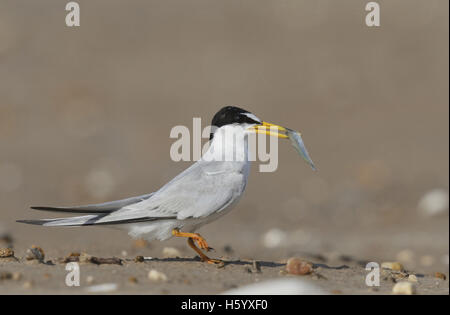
201	242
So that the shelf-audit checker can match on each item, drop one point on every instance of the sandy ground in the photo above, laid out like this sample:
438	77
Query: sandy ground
86	113
335	272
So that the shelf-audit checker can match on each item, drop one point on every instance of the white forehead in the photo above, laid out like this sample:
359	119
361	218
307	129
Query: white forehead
251	116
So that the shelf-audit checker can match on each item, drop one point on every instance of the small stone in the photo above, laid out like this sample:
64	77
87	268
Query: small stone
412	278
5	275
6	252
187	281
157	276
336	292
72	257
434	202
392	266
140	243
133	280
35	253
124	253
297	266
139	259
84	258
16	276
28	285
107	261
89	279
102	288
274	238
171	252
403	287
440	275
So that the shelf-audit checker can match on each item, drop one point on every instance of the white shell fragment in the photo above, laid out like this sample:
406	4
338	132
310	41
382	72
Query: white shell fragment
157	276
102	288
406	288
288	286
434	202
274	238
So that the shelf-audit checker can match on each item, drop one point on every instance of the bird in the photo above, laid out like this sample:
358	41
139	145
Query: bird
200	194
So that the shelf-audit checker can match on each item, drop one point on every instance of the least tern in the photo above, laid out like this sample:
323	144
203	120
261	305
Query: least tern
202	193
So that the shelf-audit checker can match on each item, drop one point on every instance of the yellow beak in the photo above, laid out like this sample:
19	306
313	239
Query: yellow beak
270	129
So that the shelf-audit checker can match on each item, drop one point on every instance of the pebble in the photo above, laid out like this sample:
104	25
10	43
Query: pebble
403	287
133	280
35	253
336	292
412	278
6	252
440	275
16	276
102	288
139	259
84	258
5	275
157	276
28	285
283	286
298	266
90	279
394	276
72	257
140	243
392	266
434	202
171	252
274	238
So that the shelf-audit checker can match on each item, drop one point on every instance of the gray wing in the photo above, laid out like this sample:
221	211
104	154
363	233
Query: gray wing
197	192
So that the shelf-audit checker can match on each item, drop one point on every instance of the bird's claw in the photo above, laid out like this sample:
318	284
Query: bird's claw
217	262
201	242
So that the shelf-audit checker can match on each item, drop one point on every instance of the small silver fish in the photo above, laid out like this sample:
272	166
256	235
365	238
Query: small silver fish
297	143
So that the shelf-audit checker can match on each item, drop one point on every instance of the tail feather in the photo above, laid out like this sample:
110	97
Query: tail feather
106	207
93	220
73	221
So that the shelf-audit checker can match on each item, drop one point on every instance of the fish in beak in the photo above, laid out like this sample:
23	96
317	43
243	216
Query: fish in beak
285	133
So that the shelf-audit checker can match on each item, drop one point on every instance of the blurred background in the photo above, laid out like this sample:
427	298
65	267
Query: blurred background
86	112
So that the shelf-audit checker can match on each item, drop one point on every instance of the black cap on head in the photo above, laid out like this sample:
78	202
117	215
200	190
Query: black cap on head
232	115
